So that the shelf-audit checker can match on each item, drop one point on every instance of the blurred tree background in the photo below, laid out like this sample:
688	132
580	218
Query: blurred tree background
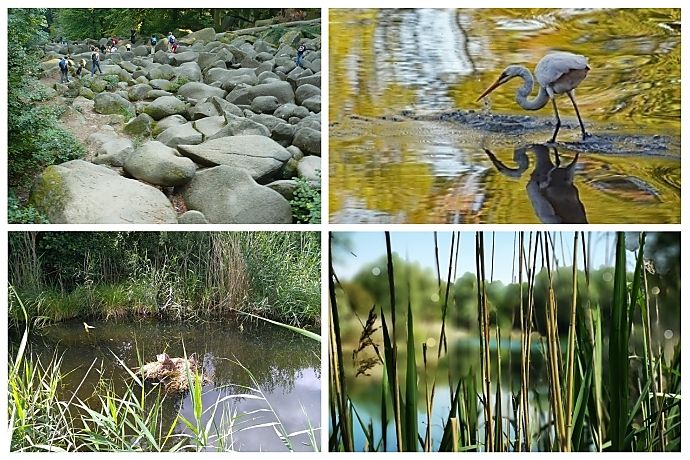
421	287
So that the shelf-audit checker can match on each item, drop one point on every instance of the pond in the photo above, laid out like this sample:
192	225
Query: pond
409	143
286	366
463	360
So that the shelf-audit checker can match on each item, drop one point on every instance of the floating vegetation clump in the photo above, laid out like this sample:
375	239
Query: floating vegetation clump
173	373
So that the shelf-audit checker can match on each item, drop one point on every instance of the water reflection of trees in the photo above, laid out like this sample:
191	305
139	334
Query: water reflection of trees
274	356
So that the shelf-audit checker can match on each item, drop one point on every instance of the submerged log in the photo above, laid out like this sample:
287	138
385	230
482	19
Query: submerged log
173	373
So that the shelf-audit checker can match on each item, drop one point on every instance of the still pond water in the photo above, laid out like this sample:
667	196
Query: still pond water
410	144
461	361
285	364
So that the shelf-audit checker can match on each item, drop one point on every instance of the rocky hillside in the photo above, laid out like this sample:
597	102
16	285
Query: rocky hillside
215	133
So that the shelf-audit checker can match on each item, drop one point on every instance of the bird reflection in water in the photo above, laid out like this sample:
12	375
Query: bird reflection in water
554	197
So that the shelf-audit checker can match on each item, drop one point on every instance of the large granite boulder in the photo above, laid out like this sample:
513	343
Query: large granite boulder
183	134
260	156
111	149
140	125
308	140
228	195
113	104
158	164
282	91
79	192
165	106
204	35
197	91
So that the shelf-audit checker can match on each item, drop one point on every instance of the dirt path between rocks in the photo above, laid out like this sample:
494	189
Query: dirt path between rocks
81	122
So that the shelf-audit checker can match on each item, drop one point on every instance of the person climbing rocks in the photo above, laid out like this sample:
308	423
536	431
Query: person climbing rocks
154	41
132	36
113	49
128	46
172	42
95	61
102	48
300	54
80	67
63	64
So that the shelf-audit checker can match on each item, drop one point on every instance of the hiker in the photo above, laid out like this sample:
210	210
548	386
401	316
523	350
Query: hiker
172	42
102	48
80	67
132	36
128	46
109	43
95	61
154	42
300	54
63	64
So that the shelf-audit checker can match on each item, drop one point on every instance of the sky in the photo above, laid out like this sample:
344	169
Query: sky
366	247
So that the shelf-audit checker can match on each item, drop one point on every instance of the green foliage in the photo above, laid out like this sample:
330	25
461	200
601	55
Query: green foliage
82	23
20	214
35	140
177	84
191	275
112	81
306	202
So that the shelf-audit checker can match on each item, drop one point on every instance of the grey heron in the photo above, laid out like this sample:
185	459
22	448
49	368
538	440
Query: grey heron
556	73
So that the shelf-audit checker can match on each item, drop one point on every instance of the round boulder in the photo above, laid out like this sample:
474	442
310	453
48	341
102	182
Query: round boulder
79	192
308	140
165	106
158	164
265	104
227	195
110	103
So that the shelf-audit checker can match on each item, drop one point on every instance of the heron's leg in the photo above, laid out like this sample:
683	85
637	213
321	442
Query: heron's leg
585	134
558	120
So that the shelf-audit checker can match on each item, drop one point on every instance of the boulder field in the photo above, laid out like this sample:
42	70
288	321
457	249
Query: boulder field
225	124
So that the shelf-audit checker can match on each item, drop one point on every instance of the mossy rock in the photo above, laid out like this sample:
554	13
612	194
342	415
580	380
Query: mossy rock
98	85
48	192
87	93
140	126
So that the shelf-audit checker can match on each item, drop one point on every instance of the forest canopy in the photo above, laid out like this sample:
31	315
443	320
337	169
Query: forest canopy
82	23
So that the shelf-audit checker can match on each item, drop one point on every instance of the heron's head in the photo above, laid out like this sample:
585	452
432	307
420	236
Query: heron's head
509	73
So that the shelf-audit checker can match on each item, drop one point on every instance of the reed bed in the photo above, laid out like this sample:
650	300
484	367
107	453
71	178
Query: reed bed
174	275
610	384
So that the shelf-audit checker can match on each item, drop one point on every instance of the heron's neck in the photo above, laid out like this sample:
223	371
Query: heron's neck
526	89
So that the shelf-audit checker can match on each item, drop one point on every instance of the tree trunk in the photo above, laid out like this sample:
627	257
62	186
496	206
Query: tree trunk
254	30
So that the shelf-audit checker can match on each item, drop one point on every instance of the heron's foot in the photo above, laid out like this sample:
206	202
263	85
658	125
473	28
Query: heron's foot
585	135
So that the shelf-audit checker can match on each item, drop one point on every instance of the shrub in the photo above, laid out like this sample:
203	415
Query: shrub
306	202
19	214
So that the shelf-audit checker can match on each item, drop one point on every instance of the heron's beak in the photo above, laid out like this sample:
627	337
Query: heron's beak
495	85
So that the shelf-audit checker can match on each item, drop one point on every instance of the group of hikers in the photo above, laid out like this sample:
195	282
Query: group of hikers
110	46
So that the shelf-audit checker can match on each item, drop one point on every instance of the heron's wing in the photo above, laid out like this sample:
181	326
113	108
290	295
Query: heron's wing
554	66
